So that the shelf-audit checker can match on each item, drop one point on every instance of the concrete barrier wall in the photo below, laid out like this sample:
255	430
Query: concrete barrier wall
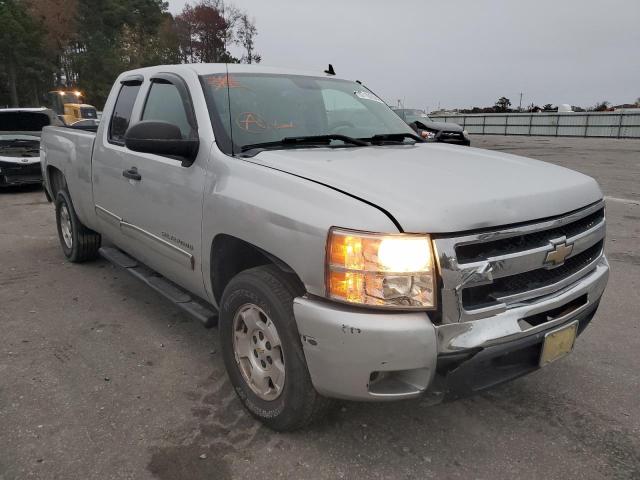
588	124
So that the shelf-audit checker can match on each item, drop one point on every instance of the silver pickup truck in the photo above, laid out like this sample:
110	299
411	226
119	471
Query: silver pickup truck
341	256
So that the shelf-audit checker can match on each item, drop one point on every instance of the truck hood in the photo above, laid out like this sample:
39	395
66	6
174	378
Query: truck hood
439	188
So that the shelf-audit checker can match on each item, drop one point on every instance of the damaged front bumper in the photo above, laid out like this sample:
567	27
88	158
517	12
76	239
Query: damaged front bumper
13	174
356	354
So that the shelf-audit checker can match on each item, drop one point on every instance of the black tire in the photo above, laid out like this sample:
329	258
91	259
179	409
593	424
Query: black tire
84	241
272	291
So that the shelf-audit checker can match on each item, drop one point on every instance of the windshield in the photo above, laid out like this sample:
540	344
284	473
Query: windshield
251	109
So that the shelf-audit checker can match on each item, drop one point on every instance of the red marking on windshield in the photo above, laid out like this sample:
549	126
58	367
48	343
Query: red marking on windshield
283	125
251	122
223	81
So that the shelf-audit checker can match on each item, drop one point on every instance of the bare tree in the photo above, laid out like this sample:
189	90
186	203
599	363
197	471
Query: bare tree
231	14
246	34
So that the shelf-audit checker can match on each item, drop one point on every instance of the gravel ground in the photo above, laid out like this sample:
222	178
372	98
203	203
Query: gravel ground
100	378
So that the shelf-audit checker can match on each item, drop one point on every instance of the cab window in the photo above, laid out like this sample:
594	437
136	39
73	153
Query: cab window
164	104
122	113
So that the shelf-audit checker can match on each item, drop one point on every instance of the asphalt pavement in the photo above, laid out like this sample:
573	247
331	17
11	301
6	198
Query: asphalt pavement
100	378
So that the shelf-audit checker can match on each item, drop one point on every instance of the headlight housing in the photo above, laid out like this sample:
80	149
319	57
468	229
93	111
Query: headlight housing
381	270
465	134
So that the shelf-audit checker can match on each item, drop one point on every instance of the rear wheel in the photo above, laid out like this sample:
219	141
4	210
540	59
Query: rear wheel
78	242
262	350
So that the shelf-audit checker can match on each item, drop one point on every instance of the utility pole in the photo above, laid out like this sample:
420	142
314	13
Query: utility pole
520	105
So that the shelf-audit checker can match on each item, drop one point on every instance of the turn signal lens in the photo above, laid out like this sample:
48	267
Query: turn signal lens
380	270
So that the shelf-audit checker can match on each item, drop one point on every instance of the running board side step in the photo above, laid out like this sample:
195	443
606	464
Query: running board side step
206	313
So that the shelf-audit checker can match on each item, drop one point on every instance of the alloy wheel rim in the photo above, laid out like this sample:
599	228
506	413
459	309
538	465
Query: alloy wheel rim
258	352
65	226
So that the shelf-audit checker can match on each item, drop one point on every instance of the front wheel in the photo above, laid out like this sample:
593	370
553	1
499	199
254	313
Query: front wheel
262	350
78	242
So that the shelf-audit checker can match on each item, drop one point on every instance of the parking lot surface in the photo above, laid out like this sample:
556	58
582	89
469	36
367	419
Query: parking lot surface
100	378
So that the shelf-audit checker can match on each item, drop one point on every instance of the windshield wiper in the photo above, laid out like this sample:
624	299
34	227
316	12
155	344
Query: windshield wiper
392	137
311	140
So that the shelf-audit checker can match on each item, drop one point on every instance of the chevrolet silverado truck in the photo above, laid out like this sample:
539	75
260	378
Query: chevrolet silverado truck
341	256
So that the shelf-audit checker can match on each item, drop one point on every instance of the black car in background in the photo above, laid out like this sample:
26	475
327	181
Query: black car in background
430	130
20	130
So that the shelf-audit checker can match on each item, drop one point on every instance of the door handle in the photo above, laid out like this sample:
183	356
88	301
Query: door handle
132	173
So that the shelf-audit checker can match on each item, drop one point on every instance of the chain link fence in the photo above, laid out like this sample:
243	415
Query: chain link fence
622	124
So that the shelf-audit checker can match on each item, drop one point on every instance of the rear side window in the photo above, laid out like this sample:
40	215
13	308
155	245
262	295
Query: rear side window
122	113
164	104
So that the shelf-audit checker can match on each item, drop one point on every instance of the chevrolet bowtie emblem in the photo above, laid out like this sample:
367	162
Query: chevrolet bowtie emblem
558	255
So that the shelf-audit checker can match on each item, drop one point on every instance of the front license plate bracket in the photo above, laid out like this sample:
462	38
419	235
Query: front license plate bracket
558	343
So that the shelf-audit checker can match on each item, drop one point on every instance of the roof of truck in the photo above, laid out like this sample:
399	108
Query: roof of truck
213	68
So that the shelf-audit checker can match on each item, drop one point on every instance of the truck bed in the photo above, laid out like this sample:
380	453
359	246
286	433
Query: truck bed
69	150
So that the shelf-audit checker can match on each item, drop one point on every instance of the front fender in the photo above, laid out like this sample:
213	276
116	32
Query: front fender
284	215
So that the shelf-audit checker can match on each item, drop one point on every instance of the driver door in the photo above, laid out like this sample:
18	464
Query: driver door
163	211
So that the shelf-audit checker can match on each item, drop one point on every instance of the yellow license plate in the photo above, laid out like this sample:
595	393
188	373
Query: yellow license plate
558	343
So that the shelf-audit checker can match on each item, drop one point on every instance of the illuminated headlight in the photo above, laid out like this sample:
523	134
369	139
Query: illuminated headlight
465	134
393	271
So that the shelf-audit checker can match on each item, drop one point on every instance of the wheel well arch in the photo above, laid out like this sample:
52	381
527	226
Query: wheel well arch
56	180
231	255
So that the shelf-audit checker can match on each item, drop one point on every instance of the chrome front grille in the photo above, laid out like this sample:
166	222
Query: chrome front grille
523	283
473	252
491	271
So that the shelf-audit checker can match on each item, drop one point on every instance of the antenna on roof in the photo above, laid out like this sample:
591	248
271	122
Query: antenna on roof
330	70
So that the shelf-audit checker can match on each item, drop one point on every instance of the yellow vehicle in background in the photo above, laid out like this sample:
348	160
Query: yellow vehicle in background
74	112
70	108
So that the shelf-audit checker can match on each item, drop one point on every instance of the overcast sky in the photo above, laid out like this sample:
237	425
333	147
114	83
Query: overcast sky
460	53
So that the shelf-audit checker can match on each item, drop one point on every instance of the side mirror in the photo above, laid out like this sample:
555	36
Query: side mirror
161	138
